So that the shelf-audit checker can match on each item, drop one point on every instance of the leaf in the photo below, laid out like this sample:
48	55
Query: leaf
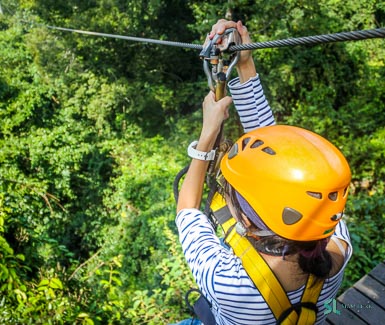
116	260
20	294
136	304
20	257
55	283
43	283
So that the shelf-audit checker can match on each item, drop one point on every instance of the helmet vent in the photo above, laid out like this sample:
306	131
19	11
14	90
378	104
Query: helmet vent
245	141
269	151
316	195
256	144
233	151
337	216
333	196
291	216
345	191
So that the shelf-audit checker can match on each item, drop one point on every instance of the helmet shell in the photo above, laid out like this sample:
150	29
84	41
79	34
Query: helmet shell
295	180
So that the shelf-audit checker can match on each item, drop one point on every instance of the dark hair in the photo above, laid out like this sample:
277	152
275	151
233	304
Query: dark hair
312	255
319	262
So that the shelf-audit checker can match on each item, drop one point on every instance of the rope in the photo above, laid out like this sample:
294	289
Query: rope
130	38
307	40
311	40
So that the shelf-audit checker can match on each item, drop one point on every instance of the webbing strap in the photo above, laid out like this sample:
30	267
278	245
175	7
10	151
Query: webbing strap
264	279
259	272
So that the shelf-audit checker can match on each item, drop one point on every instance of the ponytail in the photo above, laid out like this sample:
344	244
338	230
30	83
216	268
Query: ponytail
314	258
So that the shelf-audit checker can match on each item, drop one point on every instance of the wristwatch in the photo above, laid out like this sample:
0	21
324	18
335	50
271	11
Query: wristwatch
200	155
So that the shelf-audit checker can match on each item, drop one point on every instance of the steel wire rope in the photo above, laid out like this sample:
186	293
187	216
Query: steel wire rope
129	38
312	40
306	40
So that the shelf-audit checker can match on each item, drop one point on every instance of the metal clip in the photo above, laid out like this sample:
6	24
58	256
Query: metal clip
217	67
218	63
241	229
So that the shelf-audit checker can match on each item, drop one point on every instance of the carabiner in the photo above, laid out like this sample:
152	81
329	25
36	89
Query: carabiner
216	67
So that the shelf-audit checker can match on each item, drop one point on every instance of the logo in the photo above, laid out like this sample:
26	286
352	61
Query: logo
331	307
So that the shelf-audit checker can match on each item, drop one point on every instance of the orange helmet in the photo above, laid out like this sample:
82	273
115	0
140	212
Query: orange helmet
294	179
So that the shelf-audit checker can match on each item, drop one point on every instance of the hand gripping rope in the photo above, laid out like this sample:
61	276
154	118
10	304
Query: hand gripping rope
221	67
218	63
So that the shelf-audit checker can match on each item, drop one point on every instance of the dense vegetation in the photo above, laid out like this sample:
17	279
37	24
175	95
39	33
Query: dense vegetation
93	131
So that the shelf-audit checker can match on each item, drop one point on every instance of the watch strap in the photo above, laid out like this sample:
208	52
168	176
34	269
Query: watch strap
200	155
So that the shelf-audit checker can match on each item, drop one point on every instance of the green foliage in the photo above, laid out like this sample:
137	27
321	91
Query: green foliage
24	300
153	308
366	219
94	130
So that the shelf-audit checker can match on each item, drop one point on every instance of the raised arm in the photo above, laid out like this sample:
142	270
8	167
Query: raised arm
249	99
214	113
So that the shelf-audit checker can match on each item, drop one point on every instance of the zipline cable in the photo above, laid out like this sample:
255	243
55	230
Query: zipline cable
307	40
312	40
129	38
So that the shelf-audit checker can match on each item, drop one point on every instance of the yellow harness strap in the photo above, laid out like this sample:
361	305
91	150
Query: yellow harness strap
264	279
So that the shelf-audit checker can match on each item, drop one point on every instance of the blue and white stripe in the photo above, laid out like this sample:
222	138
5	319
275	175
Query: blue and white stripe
251	104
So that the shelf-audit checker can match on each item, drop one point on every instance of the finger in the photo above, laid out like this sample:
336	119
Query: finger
209	98
226	114
243	32
225	101
240	27
211	95
221	26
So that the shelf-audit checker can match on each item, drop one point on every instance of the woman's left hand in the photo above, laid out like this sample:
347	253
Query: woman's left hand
214	113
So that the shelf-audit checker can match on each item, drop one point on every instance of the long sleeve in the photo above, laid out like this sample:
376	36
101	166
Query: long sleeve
251	104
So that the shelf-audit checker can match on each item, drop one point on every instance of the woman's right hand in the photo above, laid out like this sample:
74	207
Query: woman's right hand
245	66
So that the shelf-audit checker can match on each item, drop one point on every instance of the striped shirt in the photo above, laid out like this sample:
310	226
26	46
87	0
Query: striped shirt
251	104
222	279
218	273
